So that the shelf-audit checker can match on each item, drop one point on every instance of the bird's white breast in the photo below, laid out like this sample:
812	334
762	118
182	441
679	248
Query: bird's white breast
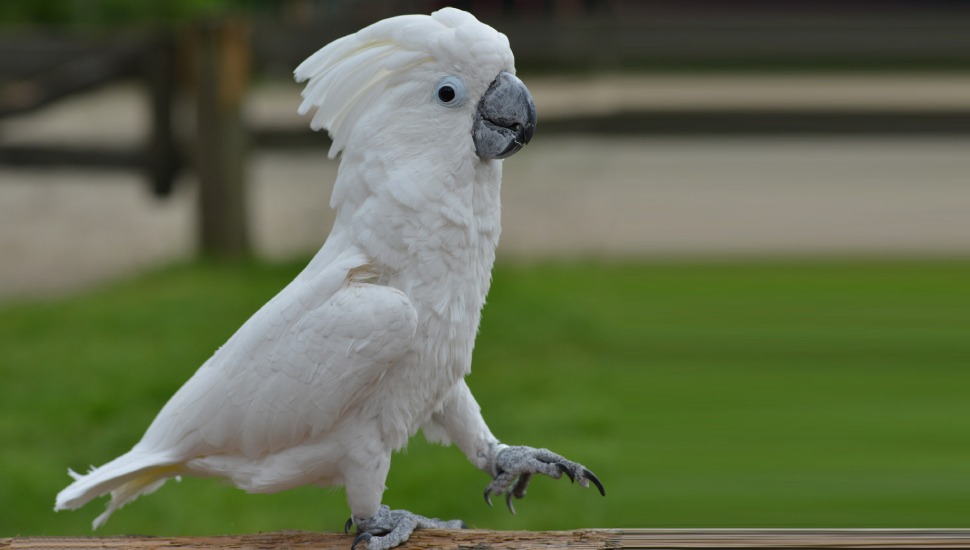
433	237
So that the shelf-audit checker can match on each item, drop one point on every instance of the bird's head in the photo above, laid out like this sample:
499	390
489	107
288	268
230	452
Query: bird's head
417	83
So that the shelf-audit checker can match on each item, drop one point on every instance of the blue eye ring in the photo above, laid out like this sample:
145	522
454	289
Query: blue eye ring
450	91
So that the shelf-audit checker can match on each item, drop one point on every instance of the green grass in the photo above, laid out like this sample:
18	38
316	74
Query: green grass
724	394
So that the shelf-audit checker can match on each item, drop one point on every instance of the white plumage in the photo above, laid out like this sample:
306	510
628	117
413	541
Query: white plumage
371	342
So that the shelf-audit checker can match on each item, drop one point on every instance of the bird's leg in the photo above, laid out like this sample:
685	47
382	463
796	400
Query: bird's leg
460	419
378	526
513	468
389	528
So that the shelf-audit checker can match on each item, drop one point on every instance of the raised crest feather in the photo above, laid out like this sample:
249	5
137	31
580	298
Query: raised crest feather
345	77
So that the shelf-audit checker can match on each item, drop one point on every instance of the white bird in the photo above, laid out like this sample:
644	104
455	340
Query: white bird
372	340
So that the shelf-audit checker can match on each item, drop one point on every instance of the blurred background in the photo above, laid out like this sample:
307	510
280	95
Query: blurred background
734	276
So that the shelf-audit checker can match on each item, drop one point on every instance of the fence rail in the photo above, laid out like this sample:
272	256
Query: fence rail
39	70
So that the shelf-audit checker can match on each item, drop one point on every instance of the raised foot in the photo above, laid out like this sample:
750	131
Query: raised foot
515	466
389	528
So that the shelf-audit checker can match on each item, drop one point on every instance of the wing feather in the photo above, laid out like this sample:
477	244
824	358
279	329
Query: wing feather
289	374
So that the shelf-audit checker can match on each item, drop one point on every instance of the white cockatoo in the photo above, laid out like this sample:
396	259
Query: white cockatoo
373	340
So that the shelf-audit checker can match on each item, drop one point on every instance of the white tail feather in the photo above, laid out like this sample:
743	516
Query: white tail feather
126	478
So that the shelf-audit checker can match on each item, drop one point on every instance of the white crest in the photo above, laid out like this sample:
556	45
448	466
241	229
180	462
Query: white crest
349	74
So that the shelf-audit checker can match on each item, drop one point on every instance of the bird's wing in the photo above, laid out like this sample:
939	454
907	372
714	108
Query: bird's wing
291	371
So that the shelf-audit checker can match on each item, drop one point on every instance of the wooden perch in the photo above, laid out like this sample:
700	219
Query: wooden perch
659	539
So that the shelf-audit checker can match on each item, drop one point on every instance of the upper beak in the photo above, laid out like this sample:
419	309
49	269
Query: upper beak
506	118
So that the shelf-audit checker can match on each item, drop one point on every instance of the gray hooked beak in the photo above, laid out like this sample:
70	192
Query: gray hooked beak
505	120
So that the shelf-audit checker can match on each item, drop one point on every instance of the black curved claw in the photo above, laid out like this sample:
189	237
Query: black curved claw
508	502
361	537
348	525
590	476
488	496
565	469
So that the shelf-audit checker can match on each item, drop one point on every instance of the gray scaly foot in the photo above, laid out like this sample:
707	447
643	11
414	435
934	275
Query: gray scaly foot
515	466
389	528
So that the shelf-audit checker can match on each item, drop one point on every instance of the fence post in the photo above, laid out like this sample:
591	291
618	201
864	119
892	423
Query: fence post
162	161
222	60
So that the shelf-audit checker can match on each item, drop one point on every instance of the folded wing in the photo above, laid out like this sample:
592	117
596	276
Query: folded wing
283	380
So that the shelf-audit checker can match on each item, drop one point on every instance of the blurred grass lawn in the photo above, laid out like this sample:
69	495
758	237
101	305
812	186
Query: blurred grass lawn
774	394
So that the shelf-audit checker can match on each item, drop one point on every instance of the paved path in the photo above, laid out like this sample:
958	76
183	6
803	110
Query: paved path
563	196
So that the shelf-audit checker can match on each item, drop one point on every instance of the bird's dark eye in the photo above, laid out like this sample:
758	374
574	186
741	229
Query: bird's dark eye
446	94
450	91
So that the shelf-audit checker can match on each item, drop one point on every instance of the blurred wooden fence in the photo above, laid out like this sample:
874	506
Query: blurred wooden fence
589	539
210	60
38	70
213	60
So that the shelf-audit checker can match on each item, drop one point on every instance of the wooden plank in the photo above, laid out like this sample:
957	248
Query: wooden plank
38	157
762	122
587	539
582	540
796	538
75	74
